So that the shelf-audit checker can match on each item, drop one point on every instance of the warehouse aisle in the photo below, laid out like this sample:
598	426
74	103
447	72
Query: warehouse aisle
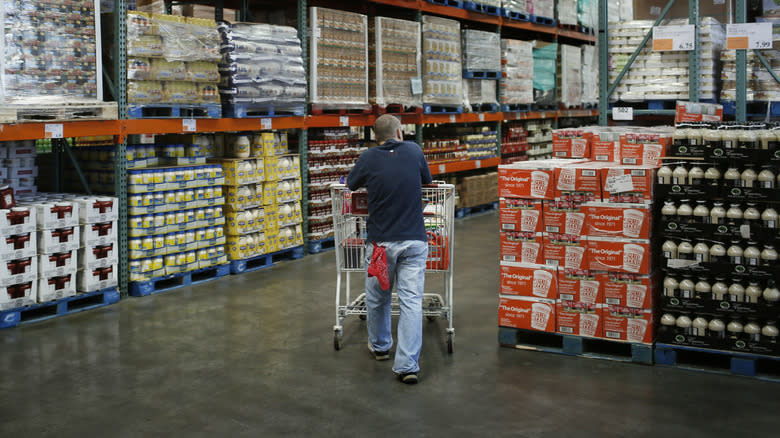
252	356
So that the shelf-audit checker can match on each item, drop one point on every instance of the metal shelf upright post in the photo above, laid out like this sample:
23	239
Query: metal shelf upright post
303	138
120	155
741	103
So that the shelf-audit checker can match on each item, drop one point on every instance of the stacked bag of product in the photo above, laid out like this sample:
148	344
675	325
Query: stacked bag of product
760	86
442	70
588	14
263	190
395	62
570	86
517	9
720	232
539	139
543	8
19	170
567	12
49	52
261	68
517	85
659	75
175	220
171	60
619	11
590	75
545	57
339	58
481	68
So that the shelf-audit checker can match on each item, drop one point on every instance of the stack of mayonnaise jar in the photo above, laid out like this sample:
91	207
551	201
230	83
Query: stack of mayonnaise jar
263	190
175	220
720	234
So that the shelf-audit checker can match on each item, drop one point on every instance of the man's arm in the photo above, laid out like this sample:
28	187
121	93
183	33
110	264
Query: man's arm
425	171
357	176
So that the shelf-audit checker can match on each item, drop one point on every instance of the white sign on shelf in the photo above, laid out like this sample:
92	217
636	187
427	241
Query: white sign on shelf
674	38
52	130
344	121
620	184
417	87
747	36
478	163
622	113
481	117
189	125
266	123
452	119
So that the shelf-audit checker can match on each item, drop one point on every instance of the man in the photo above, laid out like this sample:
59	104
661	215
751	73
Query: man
393	174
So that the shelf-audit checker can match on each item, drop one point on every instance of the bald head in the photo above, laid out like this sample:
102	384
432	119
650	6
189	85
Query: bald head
386	128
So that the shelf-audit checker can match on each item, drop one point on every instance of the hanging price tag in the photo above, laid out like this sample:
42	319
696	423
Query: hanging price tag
417	87
52	130
478	164
622	113
344	121
266	123
189	125
452	119
620	184
481	117
674	38
747	36
442	168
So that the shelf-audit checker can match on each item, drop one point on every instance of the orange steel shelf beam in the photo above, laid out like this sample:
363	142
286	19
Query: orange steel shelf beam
462	166
33	131
176	126
449	11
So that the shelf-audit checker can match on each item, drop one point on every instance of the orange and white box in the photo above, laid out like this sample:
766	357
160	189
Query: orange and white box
643	149
529	280
580	285
529	179
605	144
579	182
563	217
632	184
627	290
579	319
570	143
527	313
565	251
604	219
523	215
628	324
631	256
522	247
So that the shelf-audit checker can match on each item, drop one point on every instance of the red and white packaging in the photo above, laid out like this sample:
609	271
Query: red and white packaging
563	217
97	209
529	280
17	220
579	182
628	324
59	240
643	149
54	288
18	271
56	265
579	319
565	251
97	279
18	246
98	234
618	255
580	285
21	149
527	313
628	184
627	290
21	172
18	295
529	179
605	144
91	258
570	143
604	219
523	215
60	214
522	247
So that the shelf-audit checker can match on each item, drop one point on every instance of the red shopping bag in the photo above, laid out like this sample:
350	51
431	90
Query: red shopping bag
378	266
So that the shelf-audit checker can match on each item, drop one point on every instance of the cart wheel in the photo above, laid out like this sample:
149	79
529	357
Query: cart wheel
450	341
338	339
362	317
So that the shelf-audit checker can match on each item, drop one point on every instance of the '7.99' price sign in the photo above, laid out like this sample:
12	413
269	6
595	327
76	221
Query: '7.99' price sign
749	36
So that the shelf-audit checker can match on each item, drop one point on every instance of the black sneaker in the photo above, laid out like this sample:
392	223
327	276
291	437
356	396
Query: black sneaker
408	378
379	355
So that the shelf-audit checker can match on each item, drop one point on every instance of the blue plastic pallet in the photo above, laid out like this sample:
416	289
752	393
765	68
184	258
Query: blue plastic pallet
512	15
442	109
265	260
167	111
544	107
176	281
516	107
53	309
484	9
542	20
318	246
453	3
754	108
481	74
485	108
718	361
244	111
575	345
468	211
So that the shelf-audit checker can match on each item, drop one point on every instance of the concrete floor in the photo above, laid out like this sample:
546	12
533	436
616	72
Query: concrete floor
252	355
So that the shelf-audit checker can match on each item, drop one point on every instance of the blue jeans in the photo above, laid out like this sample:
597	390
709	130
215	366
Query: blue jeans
406	269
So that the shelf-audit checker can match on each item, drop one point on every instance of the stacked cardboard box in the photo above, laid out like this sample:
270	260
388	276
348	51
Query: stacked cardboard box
477	190
575	257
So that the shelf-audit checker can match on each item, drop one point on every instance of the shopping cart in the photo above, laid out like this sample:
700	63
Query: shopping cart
350	211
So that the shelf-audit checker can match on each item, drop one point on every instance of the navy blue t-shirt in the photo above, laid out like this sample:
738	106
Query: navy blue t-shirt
393	175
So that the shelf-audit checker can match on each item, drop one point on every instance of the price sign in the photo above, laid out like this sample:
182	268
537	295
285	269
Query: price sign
344	121
620	184
452	119
417	87
189	125
746	36
52	130
674	38
622	113
478	164
266	123
442	168
481	117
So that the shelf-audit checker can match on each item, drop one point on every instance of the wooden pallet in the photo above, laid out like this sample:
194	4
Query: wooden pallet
64	112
